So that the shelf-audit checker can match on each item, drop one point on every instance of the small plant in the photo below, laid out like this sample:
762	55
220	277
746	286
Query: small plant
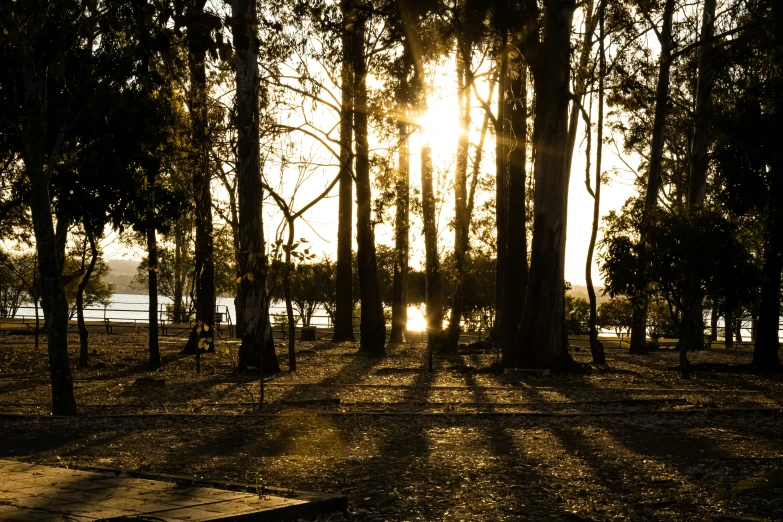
771	480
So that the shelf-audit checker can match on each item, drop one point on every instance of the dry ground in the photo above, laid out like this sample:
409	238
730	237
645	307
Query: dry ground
462	443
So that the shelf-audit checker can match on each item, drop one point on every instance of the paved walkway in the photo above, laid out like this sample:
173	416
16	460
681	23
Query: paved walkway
43	493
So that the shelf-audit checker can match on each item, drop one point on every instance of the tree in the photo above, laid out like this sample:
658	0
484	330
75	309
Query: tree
39	38
749	167
201	24
616	314
13	291
666	40
542	340
343	311
402	204
258	347
596	348
577	312
373	324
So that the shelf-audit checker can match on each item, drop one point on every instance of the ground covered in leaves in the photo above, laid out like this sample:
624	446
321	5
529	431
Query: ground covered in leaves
464	442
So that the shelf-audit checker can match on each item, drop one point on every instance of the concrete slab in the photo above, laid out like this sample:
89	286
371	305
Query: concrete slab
44	493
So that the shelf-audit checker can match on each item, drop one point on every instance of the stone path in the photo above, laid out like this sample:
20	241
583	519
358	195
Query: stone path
43	493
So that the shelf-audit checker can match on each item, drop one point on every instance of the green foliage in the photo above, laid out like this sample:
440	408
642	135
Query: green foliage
478	290
616	314
16	270
312	284
97	291
577	312
700	249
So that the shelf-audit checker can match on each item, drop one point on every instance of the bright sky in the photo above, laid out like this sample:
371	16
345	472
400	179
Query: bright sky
442	129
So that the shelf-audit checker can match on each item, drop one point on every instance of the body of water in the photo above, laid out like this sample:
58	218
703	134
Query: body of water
134	307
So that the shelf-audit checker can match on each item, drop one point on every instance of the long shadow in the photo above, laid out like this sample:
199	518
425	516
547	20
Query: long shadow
230	440
667	441
515	463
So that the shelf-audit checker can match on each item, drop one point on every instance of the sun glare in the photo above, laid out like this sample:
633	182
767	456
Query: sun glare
441	125
416	320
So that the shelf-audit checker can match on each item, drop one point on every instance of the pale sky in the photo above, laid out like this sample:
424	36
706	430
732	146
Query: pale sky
319	224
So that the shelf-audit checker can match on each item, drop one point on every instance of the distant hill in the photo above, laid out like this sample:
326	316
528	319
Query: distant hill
121	274
581	291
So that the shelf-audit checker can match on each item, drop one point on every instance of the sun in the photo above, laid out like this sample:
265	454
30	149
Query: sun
440	124
417	322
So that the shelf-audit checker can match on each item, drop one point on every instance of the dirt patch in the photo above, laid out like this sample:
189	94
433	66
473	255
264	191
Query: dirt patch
635	443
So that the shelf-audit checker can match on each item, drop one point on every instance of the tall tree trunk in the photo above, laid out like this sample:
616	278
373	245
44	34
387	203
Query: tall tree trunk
516	252
155	362
258	347
543	341
53	294
639	322
83	333
596	348
434	292
451	339
343	314
502	148
373	324
697	186
152	269
401	240
714	323
693	326
202	335
767	344
288	293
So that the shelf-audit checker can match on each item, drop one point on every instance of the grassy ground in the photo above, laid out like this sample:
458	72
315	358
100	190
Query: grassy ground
462	443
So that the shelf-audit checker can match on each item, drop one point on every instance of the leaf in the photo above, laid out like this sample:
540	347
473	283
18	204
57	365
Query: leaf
206	327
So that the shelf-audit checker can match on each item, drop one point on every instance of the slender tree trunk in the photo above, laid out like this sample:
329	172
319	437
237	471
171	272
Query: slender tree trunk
596	348
37	324
516	253
460	204
179	282
287	292
714	323
343	315
83	334
373	324
202	335
258	347
502	148
34	140
697	186
728	327
434	292
693	328
401	241
582	77
155	362
639	323
543	341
